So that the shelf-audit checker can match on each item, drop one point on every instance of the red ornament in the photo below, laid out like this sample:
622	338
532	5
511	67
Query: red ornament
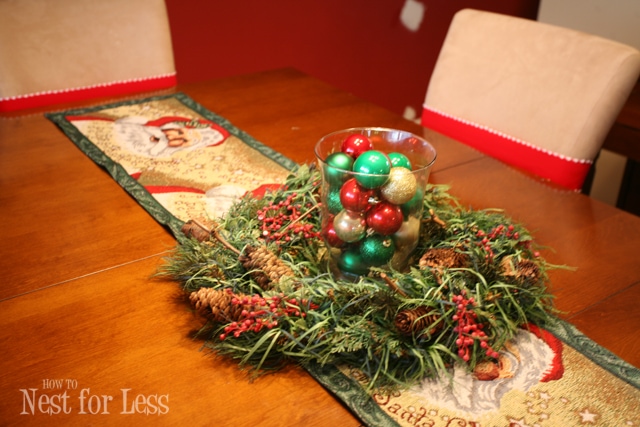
385	218
354	197
331	237
355	145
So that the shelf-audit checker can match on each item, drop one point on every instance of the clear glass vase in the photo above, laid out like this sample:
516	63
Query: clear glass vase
373	185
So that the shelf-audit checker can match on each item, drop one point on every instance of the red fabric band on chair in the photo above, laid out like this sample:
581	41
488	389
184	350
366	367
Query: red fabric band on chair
562	170
42	99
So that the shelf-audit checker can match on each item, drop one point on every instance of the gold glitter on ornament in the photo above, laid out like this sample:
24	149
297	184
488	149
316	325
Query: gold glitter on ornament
401	186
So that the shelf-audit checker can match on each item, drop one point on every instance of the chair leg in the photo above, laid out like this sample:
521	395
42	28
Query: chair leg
588	181
629	196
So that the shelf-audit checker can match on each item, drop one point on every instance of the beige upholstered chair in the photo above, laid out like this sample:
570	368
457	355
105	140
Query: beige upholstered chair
67	50
539	97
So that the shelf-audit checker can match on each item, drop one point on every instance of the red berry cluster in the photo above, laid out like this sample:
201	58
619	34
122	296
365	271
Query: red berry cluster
281	221
264	313
468	329
497	233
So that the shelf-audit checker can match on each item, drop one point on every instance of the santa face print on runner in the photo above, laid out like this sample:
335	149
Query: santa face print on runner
167	135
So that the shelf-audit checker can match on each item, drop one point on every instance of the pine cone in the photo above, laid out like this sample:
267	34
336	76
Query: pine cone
215	304
525	272
196	230
440	258
418	321
266	267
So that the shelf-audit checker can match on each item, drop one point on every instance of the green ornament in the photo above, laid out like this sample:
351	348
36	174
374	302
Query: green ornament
377	250
335	166
350	261
334	205
412	207
399	160
373	168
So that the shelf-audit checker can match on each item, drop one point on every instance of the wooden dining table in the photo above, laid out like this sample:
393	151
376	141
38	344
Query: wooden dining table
84	315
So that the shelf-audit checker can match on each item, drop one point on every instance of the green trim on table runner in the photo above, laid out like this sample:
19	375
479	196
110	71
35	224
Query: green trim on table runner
351	394
117	172
362	404
130	184
599	355
242	135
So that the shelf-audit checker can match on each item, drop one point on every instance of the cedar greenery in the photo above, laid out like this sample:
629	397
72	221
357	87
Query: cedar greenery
493	268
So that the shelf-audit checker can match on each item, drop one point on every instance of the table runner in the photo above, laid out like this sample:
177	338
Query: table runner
181	161
178	160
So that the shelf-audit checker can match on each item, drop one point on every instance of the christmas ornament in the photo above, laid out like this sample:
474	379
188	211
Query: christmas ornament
377	250
413	206
399	160
349	226
355	145
334	205
408	234
354	197
351	261
385	218
401	186
406	240
331	237
336	165
373	168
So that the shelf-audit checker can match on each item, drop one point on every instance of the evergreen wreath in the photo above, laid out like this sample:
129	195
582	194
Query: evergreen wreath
261	281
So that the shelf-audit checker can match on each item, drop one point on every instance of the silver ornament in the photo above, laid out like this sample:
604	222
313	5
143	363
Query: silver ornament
349	226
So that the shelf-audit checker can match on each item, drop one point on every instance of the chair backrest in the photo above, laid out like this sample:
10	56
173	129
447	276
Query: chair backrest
536	96
68	50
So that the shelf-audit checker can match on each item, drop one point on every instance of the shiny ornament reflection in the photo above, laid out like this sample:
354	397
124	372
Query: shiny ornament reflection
349	226
337	164
355	145
372	168
385	218
354	197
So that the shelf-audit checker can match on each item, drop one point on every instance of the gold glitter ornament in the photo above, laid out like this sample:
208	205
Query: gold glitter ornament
406	239
401	186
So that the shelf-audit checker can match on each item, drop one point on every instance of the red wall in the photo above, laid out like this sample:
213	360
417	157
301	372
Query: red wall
357	45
